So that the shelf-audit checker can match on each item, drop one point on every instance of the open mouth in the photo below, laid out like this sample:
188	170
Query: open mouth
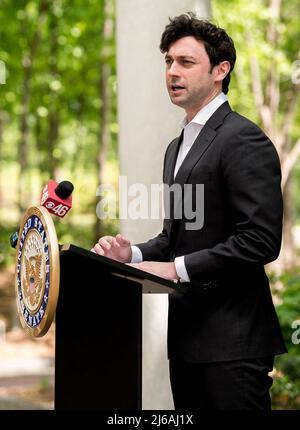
176	88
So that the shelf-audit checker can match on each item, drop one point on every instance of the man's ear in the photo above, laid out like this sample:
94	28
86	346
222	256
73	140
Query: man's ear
221	70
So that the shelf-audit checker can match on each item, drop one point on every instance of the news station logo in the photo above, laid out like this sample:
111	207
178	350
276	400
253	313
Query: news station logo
50	200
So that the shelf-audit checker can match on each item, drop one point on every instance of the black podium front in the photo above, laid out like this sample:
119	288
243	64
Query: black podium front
98	351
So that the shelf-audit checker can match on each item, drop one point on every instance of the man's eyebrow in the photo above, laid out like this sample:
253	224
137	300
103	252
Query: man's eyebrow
181	57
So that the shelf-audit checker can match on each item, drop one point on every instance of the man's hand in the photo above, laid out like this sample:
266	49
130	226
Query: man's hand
164	270
117	248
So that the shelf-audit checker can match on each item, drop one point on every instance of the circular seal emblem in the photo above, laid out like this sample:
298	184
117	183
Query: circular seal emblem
37	271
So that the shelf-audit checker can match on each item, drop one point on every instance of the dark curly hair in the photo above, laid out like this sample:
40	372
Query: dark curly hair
218	45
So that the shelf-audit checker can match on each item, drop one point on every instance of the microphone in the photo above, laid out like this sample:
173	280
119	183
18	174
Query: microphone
56	198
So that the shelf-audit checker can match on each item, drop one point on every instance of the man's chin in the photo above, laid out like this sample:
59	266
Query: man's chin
178	101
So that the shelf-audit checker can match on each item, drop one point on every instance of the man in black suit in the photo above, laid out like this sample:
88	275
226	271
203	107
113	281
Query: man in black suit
223	333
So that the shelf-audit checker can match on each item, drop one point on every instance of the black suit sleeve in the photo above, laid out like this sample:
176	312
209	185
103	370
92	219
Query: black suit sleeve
156	249
251	173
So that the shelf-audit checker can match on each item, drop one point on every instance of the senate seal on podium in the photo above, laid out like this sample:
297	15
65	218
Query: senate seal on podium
37	271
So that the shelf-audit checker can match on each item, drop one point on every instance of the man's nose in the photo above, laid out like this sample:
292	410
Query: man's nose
173	70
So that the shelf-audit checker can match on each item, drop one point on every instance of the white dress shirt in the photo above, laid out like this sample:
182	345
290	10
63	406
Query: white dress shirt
191	131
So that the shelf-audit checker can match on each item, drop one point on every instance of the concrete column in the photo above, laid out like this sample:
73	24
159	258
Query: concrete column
148	122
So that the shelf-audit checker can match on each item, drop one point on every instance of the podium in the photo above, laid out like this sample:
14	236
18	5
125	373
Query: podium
98	349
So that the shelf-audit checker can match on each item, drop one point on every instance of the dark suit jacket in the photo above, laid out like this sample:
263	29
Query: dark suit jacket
228	312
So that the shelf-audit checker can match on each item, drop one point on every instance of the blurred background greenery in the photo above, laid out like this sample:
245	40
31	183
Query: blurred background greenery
58	119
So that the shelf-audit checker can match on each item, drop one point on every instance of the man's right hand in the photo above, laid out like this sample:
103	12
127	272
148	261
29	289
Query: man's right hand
118	248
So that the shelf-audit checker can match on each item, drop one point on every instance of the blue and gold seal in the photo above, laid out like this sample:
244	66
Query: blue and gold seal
37	271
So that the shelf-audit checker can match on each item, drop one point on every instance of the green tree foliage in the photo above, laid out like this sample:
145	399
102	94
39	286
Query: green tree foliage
50	108
249	23
286	388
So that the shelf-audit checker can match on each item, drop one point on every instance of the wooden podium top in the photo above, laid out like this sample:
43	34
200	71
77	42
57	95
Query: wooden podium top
151	283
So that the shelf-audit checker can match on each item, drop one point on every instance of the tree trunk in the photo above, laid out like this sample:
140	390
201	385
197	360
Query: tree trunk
5	193
23	143
1	158
27	61
53	118
38	144
288	257
104	94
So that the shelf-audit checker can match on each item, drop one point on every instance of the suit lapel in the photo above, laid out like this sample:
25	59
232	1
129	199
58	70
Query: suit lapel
202	142
171	160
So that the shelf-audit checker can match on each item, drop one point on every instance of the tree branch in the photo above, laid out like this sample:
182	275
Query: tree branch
272	90
289	162
263	110
287	121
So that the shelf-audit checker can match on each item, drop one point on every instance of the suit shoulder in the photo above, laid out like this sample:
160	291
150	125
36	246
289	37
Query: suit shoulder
173	142
171	145
241	134
238	128
237	123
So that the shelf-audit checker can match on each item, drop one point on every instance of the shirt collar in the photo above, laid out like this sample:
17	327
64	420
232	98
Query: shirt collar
206	112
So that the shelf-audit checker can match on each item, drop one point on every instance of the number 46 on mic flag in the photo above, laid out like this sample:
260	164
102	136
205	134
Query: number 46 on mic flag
57	198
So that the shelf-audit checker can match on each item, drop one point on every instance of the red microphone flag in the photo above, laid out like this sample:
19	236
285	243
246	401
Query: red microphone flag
52	202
